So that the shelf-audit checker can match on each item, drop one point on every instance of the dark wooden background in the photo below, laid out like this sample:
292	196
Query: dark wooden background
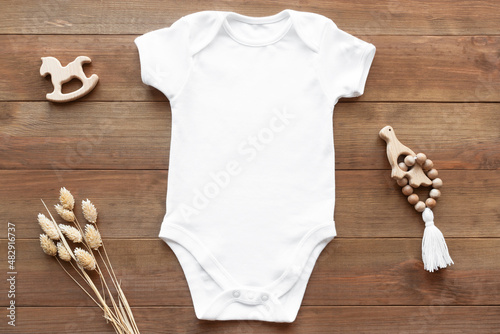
435	79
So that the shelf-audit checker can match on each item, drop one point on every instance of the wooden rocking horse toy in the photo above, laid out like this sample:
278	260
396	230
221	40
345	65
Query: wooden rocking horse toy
60	75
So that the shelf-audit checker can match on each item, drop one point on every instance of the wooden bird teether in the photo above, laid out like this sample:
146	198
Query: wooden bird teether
417	170
60	75
416	175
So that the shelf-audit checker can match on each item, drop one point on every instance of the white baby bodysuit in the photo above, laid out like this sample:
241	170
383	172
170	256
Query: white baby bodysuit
251	184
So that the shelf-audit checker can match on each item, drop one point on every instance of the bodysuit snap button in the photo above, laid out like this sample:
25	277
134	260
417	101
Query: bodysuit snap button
264	297
236	294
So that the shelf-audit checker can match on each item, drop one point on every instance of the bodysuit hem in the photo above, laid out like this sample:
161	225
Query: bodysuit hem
302	264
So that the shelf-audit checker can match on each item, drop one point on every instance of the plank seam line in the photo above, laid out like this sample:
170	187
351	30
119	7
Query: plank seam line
340	102
166	169
317	306
140	33
336	238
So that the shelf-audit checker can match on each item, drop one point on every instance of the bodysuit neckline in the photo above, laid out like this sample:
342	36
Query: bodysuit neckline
285	14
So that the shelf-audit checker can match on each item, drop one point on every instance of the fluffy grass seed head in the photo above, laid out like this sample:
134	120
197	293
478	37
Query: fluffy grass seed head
67	200
48	227
48	245
92	236
65	214
63	252
71	233
85	259
89	211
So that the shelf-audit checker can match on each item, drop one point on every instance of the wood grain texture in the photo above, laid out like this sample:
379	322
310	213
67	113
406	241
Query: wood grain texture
435	79
311	319
405	68
372	271
131	204
386	17
131	135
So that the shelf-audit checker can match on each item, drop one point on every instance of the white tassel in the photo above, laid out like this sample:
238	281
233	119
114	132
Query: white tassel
434	250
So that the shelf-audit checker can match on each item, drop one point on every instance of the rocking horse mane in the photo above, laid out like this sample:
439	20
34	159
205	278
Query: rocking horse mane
50	59
47	62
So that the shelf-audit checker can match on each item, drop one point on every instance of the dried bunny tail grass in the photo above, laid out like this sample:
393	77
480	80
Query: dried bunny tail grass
89	211
48	245
48	227
92	236
85	259
65	214
67	200
63	252
71	232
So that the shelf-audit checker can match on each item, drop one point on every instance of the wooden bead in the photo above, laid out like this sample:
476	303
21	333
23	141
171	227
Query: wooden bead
407	190
434	193
413	199
403	182
409	160
420	206
437	183
432	174
428	164
403	166
396	152
421	158
430	203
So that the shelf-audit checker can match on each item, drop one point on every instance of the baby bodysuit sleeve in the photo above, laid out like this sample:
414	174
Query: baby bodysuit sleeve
344	62
164	57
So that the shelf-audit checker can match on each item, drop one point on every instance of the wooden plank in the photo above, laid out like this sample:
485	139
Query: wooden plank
371	271
406	68
85	136
445	17
311	319
132	203
126	135
453	135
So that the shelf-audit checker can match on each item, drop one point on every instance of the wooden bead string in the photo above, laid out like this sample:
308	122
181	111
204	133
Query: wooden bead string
431	172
